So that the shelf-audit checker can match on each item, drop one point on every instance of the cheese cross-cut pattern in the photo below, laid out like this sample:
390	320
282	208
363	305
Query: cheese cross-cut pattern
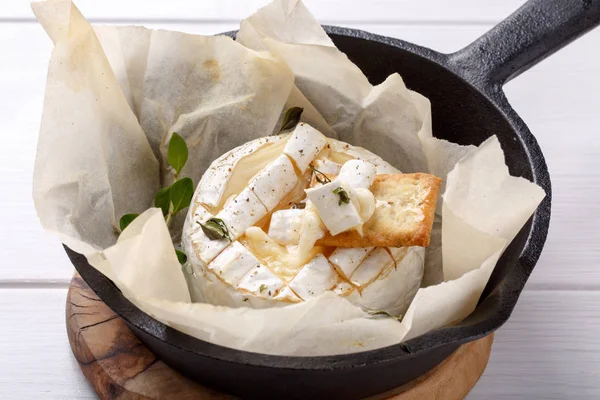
233	263
214	182
204	248
304	145
371	267
285	226
279	247
343	288
326	166
314	278
242	212
347	260
261	282
275	181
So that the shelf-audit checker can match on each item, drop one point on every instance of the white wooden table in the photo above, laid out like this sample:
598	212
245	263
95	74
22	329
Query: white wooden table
550	348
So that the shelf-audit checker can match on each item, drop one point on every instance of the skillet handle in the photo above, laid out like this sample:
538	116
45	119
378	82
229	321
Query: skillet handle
529	35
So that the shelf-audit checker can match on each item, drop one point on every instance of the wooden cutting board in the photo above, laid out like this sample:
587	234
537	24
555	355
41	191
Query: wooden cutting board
119	366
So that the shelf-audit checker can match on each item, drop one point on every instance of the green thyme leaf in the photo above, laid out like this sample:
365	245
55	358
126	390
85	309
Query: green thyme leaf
177	153
215	229
383	313
344	198
319	176
262	288
291	118
181	257
126	220
181	194
162	200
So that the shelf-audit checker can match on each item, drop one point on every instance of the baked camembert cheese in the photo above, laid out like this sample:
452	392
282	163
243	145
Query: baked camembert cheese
284	218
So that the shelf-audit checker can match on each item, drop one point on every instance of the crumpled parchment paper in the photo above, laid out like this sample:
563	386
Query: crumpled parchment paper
115	95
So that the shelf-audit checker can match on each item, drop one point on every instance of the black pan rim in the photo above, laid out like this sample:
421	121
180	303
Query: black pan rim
412	348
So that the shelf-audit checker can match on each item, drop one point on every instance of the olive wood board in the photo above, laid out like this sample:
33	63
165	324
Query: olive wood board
119	367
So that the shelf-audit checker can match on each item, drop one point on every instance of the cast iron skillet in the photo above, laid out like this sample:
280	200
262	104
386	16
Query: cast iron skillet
465	89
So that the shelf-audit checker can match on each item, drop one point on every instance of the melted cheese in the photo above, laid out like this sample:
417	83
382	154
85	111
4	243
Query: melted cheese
247	167
296	195
339	158
358	174
283	262
364	201
310	229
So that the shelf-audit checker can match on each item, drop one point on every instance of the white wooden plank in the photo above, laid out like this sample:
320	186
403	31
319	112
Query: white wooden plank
548	350
36	359
26	251
559	101
327	11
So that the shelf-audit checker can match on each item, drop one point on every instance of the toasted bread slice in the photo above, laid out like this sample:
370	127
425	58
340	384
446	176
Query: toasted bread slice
403	216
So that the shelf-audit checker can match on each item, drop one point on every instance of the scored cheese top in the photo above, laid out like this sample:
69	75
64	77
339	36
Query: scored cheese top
264	192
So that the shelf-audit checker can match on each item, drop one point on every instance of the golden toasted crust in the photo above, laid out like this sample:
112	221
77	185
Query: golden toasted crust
403	216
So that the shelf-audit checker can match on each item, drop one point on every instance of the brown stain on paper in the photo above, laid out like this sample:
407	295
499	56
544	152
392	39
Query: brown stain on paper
214	70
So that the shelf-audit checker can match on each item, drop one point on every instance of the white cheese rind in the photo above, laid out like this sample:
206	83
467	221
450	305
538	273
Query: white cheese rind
285	226
304	145
396	287
327	166
233	263
337	217
343	289
261	282
398	253
275	181
358	174
286	294
371	267
204	248
205	287
213	183
314	278
242	212
347	260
